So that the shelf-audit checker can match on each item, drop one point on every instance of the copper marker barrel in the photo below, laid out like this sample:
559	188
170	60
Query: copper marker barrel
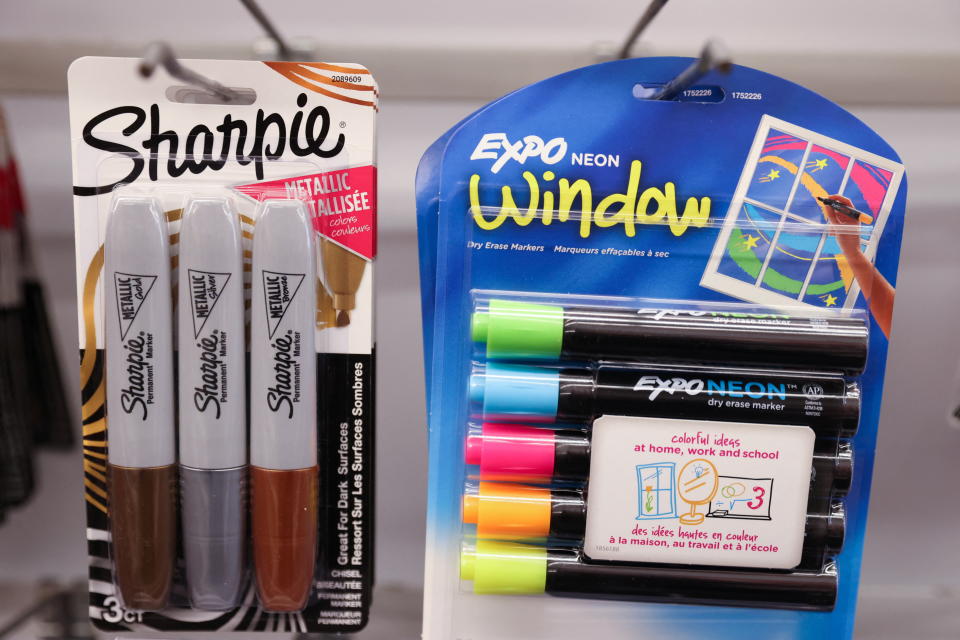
283	406
140	401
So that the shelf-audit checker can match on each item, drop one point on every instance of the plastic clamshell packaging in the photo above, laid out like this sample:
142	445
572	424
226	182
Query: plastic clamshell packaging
654	346
225	286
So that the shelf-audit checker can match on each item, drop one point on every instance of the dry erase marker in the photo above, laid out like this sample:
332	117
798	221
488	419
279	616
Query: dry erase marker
828	404
213	413
283	405
140	401
510	511
511	330
850	212
521	453
497	567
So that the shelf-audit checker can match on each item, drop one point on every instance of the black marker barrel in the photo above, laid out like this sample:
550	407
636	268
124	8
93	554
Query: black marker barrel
829	531
512	330
828	404
831	473
509	568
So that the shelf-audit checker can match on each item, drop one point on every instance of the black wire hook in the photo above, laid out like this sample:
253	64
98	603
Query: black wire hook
283	49
651	12
714	56
160	54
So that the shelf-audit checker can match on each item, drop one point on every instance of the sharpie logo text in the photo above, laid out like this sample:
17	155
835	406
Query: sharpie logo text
137	392
285	391
213	374
267	137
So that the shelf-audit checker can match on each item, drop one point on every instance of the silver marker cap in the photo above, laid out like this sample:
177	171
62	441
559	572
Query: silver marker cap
213	416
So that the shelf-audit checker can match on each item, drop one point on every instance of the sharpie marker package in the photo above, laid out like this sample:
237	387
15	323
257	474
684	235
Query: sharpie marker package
655	341
224	279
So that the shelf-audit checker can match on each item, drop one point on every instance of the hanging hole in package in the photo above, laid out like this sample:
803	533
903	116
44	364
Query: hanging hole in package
655	338
224	279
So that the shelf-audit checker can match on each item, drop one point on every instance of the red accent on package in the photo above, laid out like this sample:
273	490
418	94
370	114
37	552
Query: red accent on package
344	203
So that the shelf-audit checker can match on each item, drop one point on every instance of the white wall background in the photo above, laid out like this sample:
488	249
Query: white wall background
911	555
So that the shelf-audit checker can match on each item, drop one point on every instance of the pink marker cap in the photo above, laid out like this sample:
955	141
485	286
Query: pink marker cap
512	451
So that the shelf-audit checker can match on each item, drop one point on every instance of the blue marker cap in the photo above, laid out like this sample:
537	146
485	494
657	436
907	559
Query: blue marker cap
511	391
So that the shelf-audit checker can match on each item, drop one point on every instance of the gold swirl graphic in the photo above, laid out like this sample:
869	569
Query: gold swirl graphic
89	325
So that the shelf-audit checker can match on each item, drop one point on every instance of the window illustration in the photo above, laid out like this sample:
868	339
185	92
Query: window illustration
774	247
656	490
742	498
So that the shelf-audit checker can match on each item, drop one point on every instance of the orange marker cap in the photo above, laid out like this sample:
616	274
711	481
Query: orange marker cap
509	511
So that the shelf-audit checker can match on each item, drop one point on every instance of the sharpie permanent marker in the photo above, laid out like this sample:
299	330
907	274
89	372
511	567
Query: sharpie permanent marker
140	401
508	511
828	404
521	453
283	405
497	567
213	412
513	330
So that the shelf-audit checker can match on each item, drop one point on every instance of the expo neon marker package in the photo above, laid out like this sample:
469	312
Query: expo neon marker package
224	275
655	338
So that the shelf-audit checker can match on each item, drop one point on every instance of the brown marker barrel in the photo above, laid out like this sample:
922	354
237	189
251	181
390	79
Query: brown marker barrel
284	506
143	523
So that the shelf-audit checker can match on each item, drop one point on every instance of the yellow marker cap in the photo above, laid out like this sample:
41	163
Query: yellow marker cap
504	567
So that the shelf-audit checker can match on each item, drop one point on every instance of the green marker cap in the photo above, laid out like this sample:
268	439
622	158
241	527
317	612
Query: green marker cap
519	330
504	567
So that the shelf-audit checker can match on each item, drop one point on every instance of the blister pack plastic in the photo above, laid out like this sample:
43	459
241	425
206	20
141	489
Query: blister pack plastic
655	338
224	279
